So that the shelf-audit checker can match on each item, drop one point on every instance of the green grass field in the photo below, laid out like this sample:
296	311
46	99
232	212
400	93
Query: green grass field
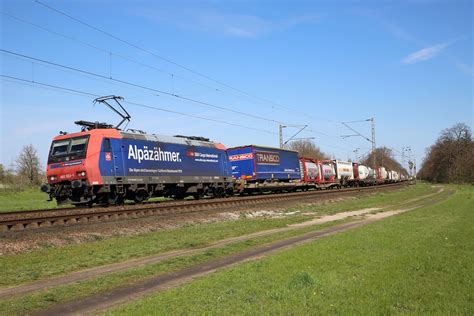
31	198
417	262
31	266
48	262
26	199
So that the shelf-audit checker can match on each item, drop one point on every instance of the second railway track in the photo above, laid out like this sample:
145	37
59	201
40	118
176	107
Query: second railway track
19	221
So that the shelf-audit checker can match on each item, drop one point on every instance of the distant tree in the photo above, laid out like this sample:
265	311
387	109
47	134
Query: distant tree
28	165
451	158
2	173
307	148
384	158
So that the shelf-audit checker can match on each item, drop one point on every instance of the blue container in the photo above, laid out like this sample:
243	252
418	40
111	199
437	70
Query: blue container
257	163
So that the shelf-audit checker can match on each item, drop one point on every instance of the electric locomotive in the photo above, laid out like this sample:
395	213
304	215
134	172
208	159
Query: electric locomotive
105	165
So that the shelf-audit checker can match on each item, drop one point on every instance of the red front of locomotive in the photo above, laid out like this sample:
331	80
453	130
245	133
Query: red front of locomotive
73	166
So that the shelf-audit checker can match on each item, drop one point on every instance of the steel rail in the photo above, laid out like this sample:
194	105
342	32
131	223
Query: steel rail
17	221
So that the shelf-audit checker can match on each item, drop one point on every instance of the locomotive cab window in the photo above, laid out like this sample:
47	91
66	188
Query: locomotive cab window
60	147
78	145
106	146
68	149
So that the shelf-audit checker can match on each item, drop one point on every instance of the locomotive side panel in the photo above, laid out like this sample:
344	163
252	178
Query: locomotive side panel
149	161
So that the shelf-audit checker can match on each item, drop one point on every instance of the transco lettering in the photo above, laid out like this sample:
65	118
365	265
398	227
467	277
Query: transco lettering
267	158
152	155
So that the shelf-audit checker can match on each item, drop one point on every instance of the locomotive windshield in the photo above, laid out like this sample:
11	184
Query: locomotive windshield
68	149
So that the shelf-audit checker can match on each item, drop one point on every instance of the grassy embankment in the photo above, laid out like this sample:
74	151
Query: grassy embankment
31	198
26	199
417	262
28	267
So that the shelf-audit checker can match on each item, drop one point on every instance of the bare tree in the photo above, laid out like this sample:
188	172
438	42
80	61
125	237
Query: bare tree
460	132
451	158
29	165
384	158
2	173
307	148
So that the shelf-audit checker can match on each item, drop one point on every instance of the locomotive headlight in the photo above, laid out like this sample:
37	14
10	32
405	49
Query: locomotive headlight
53	178
81	173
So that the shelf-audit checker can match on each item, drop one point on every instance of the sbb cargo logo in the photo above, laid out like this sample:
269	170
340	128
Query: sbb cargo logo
267	158
241	157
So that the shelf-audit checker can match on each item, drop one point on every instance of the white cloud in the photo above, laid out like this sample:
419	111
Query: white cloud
424	54
215	21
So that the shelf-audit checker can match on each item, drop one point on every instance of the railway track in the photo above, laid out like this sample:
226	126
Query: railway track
18	221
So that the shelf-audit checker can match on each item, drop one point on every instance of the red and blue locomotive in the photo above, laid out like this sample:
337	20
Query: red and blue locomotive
104	165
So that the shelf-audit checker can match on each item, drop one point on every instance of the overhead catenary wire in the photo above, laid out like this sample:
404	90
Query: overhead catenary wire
109	52
129	43
105	77
152	67
170	94
86	93
95	95
152	53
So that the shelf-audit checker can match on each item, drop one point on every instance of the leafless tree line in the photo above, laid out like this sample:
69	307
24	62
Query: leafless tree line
384	157
451	158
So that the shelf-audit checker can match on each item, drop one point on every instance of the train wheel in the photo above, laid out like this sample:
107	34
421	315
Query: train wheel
140	196
199	195
113	198
219	192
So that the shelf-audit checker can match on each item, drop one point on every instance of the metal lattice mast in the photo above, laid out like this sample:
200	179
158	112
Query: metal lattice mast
373	140
280	131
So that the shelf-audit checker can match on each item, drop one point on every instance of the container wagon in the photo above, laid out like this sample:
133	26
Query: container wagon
262	169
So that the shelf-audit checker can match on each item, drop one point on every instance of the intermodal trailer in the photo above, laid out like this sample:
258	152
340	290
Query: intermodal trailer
264	168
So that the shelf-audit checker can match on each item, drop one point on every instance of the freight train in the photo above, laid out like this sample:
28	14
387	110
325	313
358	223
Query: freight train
104	165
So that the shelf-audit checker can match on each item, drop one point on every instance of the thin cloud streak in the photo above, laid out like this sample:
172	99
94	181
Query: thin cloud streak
223	23
424	54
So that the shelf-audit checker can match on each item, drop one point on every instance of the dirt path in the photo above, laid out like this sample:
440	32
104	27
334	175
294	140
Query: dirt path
141	289
92	273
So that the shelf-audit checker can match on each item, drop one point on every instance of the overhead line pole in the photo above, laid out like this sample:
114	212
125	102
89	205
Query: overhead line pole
372	120
373	141
280	132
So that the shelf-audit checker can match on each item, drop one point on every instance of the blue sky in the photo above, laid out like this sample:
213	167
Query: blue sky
317	63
